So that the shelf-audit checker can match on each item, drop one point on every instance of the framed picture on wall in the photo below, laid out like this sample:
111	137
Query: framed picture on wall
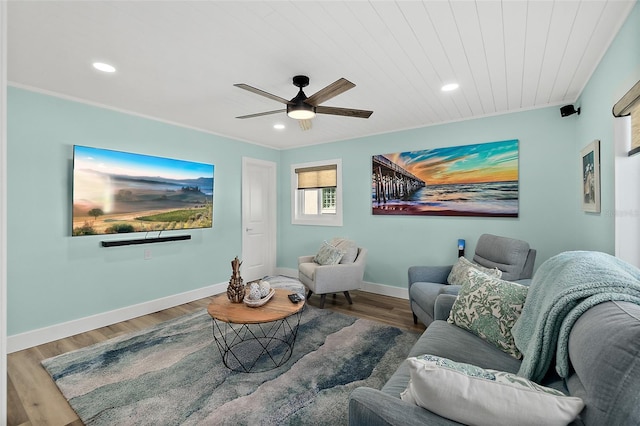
590	160
479	180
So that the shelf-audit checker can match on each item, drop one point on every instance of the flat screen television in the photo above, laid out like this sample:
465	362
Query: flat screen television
119	192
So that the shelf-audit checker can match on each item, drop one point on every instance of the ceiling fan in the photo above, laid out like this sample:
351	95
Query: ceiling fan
303	108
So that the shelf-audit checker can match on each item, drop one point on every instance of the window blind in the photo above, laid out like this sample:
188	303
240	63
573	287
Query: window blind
635	128
317	177
629	104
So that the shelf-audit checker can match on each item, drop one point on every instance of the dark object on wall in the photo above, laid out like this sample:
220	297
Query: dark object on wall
568	110
461	244
118	243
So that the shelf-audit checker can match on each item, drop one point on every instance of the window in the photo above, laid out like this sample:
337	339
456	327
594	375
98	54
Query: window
635	128
316	193
629	104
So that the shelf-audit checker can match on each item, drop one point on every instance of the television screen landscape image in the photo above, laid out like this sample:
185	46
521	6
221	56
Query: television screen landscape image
118	192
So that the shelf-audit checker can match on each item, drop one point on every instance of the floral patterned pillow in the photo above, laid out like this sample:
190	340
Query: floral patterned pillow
489	307
472	395
328	254
458	274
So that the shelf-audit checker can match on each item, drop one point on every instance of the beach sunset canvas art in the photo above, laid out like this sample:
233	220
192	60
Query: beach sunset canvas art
119	192
468	180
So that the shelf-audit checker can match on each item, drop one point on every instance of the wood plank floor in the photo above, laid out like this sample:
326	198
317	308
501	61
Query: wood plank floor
34	399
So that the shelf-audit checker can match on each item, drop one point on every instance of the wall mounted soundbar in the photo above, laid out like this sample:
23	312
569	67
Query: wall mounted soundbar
117	243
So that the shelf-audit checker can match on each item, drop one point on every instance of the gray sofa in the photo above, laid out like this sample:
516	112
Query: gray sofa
513	257
604	352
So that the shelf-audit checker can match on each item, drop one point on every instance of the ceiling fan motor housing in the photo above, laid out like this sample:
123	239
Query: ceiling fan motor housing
301	81
298	108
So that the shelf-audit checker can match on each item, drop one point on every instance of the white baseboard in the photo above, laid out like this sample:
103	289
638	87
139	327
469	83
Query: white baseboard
386	290
287	272
382	289
43	335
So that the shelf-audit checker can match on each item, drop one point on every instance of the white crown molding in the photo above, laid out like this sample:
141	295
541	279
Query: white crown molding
128	112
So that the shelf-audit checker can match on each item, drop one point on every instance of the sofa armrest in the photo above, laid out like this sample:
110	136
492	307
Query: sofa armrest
450	289
443	305
429	274
305	259
371	407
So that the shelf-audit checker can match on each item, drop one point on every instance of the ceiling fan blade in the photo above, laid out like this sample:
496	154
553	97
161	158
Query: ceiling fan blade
258	114
348	112
262	93
332	90
305	124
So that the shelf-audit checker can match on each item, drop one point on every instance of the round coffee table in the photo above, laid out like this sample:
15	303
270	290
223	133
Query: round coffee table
255	339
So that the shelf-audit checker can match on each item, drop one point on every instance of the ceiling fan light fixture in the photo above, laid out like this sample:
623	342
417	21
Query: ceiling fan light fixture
301	111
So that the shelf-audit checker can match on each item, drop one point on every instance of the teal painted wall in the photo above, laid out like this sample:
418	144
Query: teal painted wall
548	205
618	71
53	277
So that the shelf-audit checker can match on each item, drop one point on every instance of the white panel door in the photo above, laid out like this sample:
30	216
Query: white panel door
258	218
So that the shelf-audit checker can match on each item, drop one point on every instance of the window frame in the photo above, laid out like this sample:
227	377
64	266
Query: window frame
320	219
629	104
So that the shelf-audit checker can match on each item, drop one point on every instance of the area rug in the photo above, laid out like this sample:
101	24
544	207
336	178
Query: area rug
172	374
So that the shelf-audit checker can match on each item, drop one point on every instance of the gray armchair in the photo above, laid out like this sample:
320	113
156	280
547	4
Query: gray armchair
331	279
513	257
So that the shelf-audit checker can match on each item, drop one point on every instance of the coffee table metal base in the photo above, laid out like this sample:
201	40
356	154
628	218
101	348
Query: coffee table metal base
253	348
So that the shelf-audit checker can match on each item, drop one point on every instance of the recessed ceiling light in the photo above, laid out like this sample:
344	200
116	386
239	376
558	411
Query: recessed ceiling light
104	67
449	87
278	126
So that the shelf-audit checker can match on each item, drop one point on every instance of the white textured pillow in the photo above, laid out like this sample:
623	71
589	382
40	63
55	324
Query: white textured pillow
458	274
349	248
473	395
328	254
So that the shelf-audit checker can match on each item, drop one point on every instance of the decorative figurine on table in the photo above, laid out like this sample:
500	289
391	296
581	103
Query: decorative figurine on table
235	290
258	290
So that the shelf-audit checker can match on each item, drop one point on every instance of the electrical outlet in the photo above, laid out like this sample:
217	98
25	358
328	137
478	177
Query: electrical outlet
147	254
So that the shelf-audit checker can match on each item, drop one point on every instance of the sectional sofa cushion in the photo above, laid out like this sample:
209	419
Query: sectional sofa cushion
472	395
507	254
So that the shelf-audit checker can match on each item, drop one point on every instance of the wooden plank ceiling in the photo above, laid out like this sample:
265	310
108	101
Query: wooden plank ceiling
178	60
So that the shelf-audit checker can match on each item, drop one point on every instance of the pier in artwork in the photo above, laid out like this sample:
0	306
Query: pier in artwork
392	182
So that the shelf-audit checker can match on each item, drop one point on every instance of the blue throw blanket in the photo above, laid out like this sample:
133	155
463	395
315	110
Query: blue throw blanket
562	289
